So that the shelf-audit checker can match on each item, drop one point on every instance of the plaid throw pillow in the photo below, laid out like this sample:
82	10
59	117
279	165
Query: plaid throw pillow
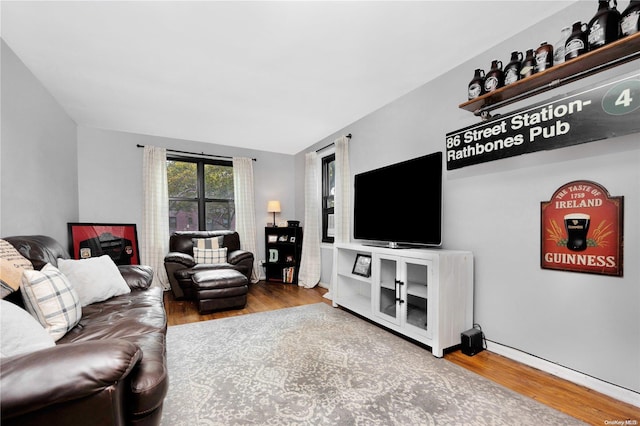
210	255
50	298
207	243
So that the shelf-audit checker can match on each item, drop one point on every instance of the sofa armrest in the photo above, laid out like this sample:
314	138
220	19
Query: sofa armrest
64	373
180	258
137	276
238	256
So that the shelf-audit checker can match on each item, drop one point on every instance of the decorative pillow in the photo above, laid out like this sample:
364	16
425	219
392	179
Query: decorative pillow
50	298
207	243
95	279
21	333
12	264
210	255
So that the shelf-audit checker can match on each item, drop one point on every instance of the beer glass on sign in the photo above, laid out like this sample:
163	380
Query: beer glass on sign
577	226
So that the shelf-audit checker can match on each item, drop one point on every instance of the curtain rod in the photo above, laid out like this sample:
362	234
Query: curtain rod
194	153
332	143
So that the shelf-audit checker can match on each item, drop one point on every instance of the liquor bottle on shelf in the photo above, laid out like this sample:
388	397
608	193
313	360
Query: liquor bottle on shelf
544	57
558	49
512	70
476	85
528	65
577	41
495	77
630	21
604	27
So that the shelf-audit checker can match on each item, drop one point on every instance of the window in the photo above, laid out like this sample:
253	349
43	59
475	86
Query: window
328	197
200	194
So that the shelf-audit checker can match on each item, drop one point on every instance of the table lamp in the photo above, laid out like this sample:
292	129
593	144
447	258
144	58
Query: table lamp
273	207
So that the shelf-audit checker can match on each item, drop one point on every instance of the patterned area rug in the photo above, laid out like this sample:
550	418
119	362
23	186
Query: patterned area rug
316	365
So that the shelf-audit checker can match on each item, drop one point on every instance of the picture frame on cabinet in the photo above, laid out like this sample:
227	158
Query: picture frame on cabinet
283	238
272	238
292	239
362	265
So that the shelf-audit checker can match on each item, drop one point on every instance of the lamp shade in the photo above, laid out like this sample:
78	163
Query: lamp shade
273	207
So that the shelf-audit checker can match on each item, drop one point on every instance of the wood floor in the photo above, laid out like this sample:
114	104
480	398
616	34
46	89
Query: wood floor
577	401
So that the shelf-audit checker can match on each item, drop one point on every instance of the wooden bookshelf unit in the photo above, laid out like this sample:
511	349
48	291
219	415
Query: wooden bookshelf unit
283	247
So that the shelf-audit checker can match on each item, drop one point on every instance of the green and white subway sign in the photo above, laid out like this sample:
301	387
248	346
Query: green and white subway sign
607	110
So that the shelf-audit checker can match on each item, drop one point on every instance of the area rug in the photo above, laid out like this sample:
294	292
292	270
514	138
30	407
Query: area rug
317	365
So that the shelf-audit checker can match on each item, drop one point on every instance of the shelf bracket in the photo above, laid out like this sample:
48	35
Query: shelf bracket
485	115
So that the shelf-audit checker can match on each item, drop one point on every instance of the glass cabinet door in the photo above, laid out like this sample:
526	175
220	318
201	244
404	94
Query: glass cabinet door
417	296
402	291
387	296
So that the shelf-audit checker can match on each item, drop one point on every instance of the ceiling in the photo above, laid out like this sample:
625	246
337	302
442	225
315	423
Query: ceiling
272	76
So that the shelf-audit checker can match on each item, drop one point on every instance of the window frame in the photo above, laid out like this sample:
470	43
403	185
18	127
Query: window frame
326	211
200	198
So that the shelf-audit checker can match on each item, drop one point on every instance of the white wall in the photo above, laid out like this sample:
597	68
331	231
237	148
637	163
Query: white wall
38	181
110	176
587	323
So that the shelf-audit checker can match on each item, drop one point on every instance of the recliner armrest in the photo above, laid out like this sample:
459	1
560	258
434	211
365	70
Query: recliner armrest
238	256
64	373
180	258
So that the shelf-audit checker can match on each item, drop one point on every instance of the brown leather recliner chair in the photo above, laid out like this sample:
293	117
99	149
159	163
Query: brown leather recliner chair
181	266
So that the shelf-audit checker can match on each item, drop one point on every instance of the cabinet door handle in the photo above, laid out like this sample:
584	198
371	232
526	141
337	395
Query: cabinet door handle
398	298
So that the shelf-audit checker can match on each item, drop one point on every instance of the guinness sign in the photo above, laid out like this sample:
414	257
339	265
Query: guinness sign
581	230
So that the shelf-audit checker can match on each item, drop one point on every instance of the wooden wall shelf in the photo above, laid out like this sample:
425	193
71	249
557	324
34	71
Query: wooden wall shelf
624	50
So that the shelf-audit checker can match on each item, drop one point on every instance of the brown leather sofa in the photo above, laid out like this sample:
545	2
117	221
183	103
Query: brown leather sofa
110	369
181	265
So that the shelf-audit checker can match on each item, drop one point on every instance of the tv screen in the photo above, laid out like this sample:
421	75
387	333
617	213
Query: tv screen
401	203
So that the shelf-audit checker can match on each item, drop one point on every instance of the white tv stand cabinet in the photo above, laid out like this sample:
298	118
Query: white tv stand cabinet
424	294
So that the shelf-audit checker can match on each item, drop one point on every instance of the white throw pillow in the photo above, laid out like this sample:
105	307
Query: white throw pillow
95	279
210	255
50	298
21	333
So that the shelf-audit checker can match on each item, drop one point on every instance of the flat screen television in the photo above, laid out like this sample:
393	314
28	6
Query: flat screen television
400	205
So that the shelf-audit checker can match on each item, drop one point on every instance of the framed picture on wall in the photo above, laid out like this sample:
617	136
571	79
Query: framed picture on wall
119	241
362	265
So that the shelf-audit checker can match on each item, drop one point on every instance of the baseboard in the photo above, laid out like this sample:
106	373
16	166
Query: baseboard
617	392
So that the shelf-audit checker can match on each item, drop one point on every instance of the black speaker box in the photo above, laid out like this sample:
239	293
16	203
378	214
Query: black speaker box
471	342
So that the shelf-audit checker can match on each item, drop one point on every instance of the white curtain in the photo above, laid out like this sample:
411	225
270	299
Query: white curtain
342	199
155	213
310	265
246	209
342	204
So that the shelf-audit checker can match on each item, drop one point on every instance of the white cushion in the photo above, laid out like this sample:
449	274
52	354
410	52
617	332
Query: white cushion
95	279
50	298
21	333
210	255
